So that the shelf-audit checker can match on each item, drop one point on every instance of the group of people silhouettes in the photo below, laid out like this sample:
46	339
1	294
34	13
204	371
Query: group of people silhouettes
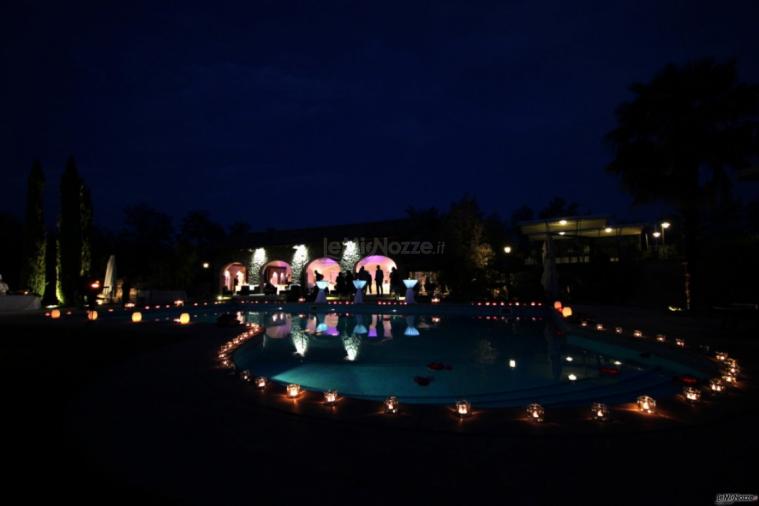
374	284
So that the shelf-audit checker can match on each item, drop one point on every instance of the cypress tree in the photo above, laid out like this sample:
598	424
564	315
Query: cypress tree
35	241
70	234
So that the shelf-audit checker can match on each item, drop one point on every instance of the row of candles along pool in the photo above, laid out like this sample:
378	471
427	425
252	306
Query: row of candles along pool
463	408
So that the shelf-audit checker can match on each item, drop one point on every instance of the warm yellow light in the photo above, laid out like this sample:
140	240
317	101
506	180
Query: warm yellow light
657	234
566	311
618	330
608	230
184	318
665	224
92	315
637	333
716	385
599	411
512	363
260	382
245	376
535	412
646	404
391	404
562	222
572	377
507	249
600	327
562	233
721	356
95	285
679	342
463	408
136	317
692	394
206	265
330	396
55	314
661	338
293	390
557	305
569	359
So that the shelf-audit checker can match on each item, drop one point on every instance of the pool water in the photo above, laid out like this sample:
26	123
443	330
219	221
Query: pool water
438	360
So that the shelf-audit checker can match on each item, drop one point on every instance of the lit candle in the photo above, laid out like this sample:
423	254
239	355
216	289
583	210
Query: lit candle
463	408
661	338
512	363
637	333
391	404
692	394
716	385
599	411
330	397
600	326
535	412
572	377
646	404
721	356
679	342
293	390
136	317
245	375
618	330
184	318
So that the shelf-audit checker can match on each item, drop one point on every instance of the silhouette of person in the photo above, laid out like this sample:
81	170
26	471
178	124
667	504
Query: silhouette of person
363	275
318	275
395	281
379	277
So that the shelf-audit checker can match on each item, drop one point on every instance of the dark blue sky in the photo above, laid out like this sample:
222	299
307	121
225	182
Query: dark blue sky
285	113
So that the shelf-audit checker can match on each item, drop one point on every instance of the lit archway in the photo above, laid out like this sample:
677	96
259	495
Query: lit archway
233	276
370	264
278	273
327	267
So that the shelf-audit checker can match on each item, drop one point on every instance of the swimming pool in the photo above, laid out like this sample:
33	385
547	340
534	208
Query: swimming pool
427	359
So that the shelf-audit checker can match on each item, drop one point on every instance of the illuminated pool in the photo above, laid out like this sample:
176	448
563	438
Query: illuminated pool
428	359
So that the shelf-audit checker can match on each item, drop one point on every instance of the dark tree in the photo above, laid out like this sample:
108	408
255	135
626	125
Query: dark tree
74	224
678	139
146	248
35	241
558	208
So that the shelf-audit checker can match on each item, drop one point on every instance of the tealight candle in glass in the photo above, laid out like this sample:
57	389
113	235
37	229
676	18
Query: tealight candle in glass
391	404
463	408
646	404
535	412
293	390
692	394
599	411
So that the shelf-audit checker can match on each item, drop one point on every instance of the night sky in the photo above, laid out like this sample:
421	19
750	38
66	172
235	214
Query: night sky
288	114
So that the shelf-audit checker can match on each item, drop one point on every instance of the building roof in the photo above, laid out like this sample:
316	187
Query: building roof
578	226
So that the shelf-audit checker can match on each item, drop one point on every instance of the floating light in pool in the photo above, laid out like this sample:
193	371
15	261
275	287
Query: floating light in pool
512	363
721	356
679	342
136	317
716	385
646	404
637	333
293	390
535	412
600	327
463	408
661	338
260	382
566	312
599	411
184	318
618	330
692	394
245	376
330	397
569	359
391	404
92	315
572	377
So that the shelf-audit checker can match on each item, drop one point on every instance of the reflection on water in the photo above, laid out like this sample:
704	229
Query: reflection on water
376	355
